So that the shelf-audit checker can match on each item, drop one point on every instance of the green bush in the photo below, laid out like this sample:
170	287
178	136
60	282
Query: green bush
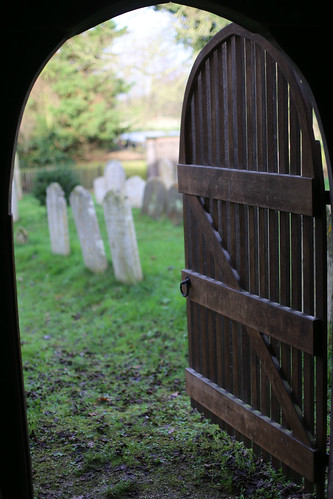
46	148
65	176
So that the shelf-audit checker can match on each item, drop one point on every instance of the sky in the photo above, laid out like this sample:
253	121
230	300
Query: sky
148	47
146	25
144	22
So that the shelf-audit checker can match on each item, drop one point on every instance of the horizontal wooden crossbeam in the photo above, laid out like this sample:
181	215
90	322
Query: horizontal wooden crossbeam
290	326
289	193
272	437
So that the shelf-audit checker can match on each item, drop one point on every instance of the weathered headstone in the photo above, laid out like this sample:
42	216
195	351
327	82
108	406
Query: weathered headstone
17	176
174	205
21	235
57	219
167	171
99	185
88	229
154	198
158	148
115	176
134	190
14	201
122	238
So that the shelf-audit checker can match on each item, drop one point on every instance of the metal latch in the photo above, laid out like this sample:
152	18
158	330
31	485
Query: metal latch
185	287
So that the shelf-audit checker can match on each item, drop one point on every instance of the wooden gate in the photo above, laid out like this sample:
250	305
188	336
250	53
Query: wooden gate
255	245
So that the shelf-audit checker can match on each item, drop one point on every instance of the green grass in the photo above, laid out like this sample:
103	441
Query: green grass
104	377
135	167
131	167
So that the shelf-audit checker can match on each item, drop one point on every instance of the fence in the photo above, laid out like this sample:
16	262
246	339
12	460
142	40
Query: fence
85	176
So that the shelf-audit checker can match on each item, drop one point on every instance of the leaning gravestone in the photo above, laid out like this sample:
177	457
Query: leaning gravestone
122	238
174	205
57	219
154	198
88	229
167	171
115	176
134	190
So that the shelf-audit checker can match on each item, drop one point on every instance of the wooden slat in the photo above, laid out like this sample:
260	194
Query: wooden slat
290	326
253	424
290	193
283	155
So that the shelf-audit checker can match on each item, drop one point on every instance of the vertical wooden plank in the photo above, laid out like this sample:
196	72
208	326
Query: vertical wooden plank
231	145
207	116
199	119
272	166
238	57
225	108
252	218
261	108
214	108
283	167
201	264
220	84
308	303
191	144
188	244
202	327
321	311
231	103
296	250
260	99
308	307
195	317
211	156
251	122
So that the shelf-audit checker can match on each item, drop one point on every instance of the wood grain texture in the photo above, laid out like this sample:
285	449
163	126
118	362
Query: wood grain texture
255	241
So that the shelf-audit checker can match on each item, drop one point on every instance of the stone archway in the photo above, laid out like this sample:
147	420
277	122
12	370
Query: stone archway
31	36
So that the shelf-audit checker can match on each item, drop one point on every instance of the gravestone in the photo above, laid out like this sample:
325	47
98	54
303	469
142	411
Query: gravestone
57	219
167	171
158	148
174	205
14	201
134	190
99	186
154	198
122	238
21	235
88	229
17	176
115	176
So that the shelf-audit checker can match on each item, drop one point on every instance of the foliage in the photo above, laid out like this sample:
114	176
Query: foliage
74	101
194	27
104	367
64	175
45	148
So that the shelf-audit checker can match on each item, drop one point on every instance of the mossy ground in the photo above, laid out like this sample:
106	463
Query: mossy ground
104	377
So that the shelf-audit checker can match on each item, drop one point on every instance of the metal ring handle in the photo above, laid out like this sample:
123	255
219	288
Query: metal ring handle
187	284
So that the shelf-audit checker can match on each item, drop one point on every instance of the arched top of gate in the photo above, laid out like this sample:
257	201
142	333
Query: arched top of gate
299	94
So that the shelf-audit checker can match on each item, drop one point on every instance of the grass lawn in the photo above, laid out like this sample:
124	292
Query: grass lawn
104	378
